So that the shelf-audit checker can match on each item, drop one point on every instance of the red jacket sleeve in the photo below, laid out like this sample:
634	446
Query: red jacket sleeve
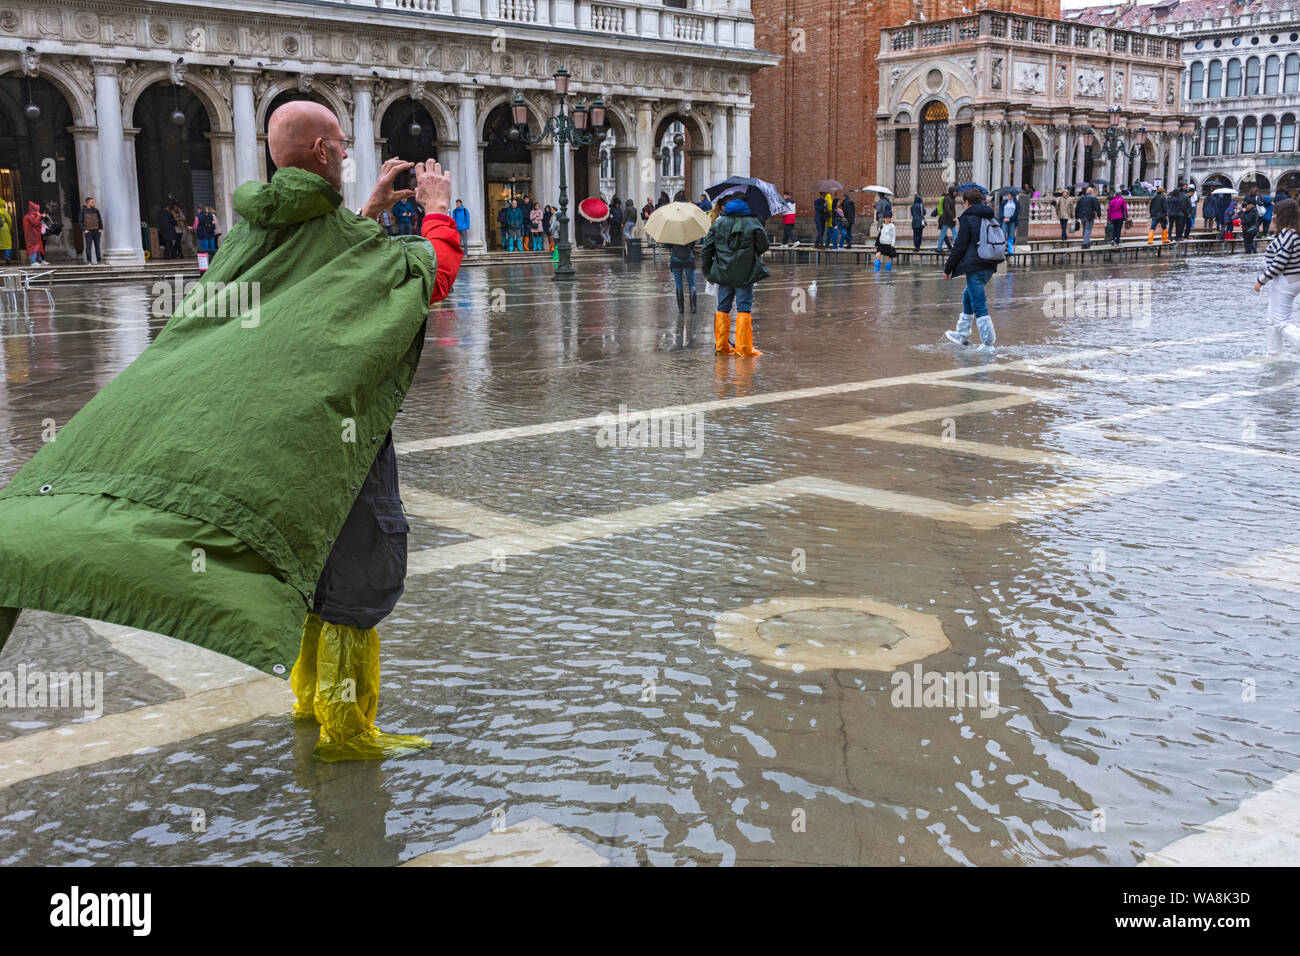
441	231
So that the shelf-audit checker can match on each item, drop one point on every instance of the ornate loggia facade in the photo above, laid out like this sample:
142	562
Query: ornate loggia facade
1004	100
142	102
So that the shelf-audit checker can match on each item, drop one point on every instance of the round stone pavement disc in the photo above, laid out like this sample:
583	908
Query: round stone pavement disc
830	634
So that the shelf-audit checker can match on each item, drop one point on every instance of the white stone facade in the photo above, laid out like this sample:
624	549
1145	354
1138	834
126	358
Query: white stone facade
458	59
1002	99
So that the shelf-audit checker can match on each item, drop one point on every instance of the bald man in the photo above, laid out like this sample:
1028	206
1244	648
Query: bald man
336	676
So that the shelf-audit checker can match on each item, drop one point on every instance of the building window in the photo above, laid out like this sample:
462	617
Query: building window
1248	132
1234	78
1268	135
1286	140
1252	76
934	133
1196	82
1291	79
902	147
1212	138
1272	68
1214	88
1230	138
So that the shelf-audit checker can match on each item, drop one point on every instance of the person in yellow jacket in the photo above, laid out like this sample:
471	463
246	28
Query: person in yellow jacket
6	232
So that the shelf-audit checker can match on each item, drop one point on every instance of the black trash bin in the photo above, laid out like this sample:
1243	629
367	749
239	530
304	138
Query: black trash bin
632	250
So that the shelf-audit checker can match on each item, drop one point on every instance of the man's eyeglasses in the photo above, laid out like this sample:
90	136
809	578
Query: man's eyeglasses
344	142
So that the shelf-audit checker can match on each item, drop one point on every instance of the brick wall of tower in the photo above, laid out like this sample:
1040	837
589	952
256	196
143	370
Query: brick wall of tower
814	113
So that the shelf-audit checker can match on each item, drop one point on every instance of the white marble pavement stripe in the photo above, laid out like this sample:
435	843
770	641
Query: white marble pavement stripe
461	515
1263	831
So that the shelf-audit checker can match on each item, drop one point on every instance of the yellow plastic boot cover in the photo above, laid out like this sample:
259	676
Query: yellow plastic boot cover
303	676
347	698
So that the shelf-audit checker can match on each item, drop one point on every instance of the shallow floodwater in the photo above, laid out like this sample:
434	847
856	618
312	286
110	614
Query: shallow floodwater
583	680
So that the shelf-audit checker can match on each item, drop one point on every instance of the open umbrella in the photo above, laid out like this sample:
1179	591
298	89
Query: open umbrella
1081	185
1224	191
828	186
965	186
764	199
677	223
882	190
1099	182
1009	190
593	209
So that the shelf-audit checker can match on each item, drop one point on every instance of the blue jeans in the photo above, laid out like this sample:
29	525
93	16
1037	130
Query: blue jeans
973	301
821	231
464	239
742	295
404	227
948	231
1010	226
689	272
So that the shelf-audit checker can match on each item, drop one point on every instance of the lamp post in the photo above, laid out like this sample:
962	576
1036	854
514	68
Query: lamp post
568	129
1113	142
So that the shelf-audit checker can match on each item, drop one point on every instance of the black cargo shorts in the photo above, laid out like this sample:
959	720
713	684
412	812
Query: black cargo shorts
366	570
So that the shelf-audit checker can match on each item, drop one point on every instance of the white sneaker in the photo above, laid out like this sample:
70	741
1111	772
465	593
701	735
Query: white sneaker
1291	336
956	339
985	348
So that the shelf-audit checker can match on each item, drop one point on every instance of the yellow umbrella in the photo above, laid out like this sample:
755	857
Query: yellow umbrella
677	224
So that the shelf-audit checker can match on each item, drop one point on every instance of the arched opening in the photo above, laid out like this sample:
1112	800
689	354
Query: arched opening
409	133
38	160
173	159
507	171
933	149
965	146
1289	181
1214	86
1234	78
1268	134
288	96
1212	137
1196	81
1215	181
1252	76
1230	136
1286	142
677	156
1272	73
1254	180
1028	161
902	162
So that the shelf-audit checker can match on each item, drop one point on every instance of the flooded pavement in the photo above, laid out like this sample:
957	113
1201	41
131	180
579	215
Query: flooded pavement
734	648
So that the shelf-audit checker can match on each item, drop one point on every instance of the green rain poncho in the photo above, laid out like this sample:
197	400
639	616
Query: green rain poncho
199	493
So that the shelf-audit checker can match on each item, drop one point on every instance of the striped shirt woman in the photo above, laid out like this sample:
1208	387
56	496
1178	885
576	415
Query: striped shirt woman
1282	274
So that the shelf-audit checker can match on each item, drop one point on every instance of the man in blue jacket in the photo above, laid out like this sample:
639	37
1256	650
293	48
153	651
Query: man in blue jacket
965	260
460	216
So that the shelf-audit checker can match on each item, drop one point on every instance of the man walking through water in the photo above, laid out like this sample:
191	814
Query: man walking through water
240	475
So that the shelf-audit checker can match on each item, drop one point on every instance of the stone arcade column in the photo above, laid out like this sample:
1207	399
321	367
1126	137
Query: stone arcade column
1080	154
995	173
741	114
1171	161
86	142
471	163
542	169
646	166
117	174
1017	154
128	145
223	165
624	170
979	167
246	154
914	158
1062	160
720	170
366	160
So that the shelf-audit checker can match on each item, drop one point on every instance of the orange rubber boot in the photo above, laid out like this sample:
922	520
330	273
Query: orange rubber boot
1164	235
721	328
745	334
1151	236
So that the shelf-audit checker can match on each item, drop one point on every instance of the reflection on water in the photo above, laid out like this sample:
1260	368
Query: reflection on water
1140	693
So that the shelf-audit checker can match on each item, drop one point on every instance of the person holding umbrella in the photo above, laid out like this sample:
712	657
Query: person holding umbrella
918	220
733	258
679	226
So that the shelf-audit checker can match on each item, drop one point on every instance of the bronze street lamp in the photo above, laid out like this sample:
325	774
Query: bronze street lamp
1113	142
576	128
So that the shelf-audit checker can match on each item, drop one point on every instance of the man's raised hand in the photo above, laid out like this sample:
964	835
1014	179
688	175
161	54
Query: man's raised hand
384	195
433	187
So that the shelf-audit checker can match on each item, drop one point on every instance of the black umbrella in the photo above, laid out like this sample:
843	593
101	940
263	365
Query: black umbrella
764	199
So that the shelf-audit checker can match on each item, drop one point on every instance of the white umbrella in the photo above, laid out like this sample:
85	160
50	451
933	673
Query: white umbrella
677	223
878	189
1224	191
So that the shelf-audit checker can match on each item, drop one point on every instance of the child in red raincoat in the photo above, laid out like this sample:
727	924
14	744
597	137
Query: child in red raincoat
33	224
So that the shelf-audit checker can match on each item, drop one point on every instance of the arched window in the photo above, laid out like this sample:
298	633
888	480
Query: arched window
1234	78
1272	68
1291	75
1267	134
1197	81
1214	88
1286	136
1252	76
1196	142
1248	134
1212	138
1230	136
677	161
934	133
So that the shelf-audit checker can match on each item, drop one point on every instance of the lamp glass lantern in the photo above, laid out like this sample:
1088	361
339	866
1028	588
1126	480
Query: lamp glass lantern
519	111
561	77
598	112
580	118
